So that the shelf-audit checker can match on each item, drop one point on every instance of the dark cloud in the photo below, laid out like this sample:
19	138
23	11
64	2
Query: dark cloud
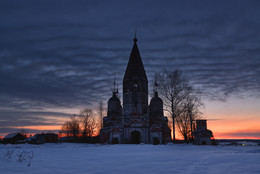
65	54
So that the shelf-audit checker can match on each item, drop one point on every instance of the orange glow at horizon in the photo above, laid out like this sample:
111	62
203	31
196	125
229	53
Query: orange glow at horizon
45	127
232	119
236	118
234	129
221	128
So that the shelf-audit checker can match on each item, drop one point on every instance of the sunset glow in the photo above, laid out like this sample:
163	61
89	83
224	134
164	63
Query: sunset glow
234	119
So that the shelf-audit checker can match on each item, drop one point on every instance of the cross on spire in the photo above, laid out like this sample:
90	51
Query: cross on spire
135	39
114	90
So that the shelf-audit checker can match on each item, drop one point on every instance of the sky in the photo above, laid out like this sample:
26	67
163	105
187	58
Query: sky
58	57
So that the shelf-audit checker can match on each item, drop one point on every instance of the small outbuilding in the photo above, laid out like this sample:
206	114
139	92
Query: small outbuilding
44	138
66	139
202	136
14	138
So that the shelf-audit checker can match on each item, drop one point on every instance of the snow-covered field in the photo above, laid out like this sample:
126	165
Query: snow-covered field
86	158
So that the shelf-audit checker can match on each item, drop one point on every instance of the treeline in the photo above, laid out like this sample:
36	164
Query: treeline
82	127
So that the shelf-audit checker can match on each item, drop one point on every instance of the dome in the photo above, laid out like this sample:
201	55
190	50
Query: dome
114	99
156	106
114	106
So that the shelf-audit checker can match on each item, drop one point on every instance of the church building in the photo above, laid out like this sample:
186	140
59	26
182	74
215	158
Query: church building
136	122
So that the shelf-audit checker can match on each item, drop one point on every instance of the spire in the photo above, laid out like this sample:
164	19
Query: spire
135	84
135	67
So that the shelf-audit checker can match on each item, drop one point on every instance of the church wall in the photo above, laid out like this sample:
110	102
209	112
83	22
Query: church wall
129	106
127	99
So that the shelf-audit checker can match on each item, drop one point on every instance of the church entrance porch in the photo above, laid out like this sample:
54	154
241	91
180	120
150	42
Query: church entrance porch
156	141
135	137
115	141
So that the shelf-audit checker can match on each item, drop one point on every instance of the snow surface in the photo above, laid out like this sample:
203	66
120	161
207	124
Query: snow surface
86	158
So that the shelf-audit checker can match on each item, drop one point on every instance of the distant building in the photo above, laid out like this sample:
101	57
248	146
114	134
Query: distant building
43	138
136	122
14	138
202	136
66	139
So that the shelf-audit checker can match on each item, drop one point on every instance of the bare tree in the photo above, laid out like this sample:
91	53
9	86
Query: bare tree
183	124
181	101
172	87
75	127
87	120
65	129
72	128
174	90
192	108
190	112
83	123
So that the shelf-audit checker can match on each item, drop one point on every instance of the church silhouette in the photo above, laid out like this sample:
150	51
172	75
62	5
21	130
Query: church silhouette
136	122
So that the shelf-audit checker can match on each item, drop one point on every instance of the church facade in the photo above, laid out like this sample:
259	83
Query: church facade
136	122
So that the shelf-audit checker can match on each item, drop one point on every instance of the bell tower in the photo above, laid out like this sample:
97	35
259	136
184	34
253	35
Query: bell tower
135	85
